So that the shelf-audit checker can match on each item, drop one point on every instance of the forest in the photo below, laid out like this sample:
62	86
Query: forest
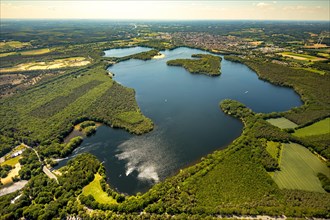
204	64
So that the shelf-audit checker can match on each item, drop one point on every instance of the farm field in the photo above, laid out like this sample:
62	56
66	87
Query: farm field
313	70
27	52
94	189
56	64
7	54
326	55
11	45
35	52
303	57
318	128
282	123
299	168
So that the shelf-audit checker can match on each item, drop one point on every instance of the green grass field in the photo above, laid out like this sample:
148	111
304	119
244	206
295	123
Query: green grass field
35	52
13	45
326	55
313	70
299	56
94	189
11	161
299	168
318	128
27	52
282	123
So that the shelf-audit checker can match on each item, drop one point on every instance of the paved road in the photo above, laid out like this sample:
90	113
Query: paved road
12	188
44	168
49	173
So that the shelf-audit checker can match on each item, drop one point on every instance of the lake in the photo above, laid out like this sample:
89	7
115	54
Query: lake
185	109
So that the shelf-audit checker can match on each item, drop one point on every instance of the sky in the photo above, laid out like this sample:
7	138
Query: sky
167	10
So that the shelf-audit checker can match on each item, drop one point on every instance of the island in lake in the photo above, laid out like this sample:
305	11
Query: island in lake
205	64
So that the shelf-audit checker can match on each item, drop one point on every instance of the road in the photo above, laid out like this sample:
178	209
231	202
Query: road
49	173
44	168
12	188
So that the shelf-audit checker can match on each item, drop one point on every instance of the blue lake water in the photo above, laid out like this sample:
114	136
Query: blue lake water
121	52
185	109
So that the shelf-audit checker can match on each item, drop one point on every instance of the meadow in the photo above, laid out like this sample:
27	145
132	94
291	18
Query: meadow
282	122
274	149
304	57
13	45
94	188
299	169
318	128
27	52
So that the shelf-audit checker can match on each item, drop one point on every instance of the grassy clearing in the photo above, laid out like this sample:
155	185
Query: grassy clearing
298	56
14	172
35	52
318	128
11	45
282	123
12	162
299	168
130	117
55	64
27	52
274	149
7	54
326	55
313	70
94	189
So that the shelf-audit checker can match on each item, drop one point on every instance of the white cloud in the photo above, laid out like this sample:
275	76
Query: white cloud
262	4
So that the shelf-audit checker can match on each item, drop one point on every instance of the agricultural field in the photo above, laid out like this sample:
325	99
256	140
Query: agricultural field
56	64
27	52
94	189
303	57
35	52
13	45
318	128
7	54
282	123
326	55
321	72
299	168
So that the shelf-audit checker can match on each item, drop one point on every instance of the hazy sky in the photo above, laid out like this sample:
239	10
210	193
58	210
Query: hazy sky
169	10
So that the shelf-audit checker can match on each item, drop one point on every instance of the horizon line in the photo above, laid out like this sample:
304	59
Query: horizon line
133	19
